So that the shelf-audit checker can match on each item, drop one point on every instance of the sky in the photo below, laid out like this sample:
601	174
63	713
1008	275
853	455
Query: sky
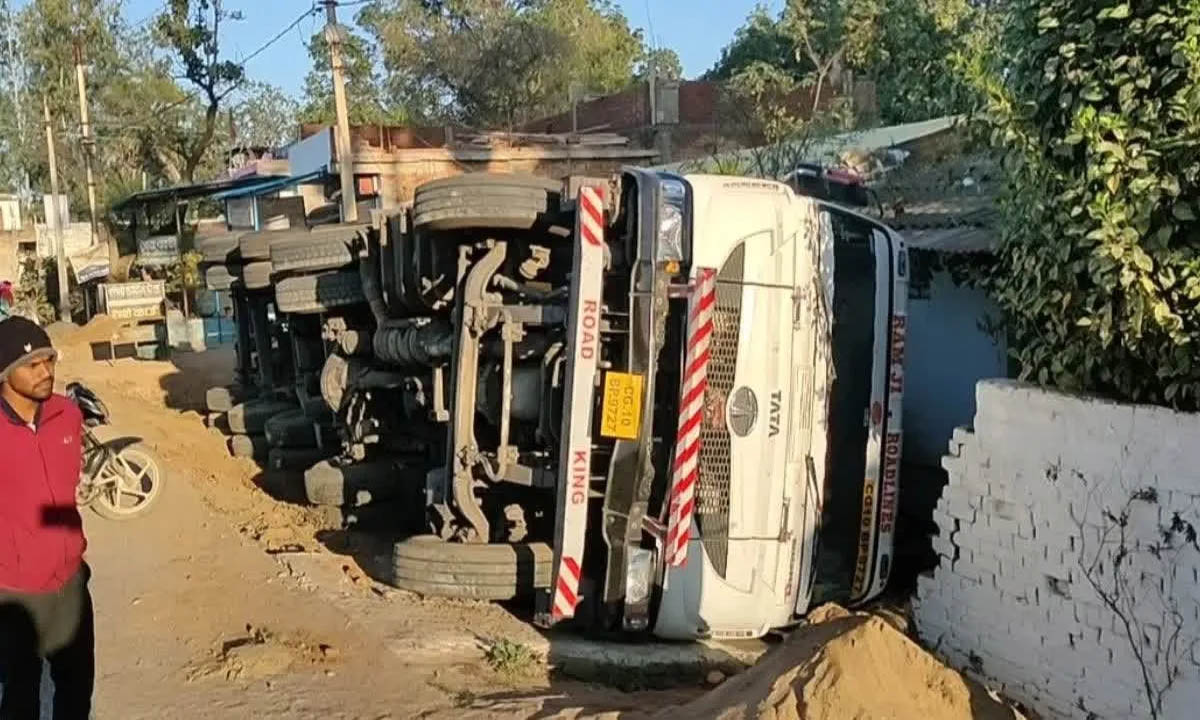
696	29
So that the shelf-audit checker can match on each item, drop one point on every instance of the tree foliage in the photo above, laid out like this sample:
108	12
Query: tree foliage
664	63
1097	105
761	39
264	116
367	97
907	47
500	62
191	29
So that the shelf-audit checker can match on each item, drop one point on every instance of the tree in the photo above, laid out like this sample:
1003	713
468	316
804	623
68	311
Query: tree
760	39
663	62
907	47
500	62
191	29
910	55
264	116
825	32
1097	108
366	98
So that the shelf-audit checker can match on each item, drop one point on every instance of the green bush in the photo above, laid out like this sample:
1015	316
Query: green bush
1097	105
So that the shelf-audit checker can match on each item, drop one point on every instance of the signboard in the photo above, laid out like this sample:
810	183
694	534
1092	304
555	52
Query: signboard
158	251
90	264
77	238
135	300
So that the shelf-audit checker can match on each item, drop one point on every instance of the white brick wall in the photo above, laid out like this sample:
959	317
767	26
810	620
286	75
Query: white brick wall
1031	522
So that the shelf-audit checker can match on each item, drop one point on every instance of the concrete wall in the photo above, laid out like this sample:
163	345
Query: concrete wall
951	346
1067	552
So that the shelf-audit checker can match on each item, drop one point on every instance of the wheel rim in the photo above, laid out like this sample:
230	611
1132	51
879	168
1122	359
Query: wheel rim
131	482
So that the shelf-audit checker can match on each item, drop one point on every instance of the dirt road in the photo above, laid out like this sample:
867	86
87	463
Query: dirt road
196	617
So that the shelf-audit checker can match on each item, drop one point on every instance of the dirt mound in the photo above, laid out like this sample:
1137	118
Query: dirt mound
845	666
261	654
100	328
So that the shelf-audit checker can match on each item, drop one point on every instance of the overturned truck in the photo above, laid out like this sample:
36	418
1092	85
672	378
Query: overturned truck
654	403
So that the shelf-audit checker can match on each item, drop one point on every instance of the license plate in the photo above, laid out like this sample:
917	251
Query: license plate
622	414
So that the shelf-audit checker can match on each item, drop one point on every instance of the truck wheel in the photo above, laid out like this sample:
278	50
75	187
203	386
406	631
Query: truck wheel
336	377
284	485
220	277
352	485
257	275
253	447
484	200
428	565
219	248
310	294
250	418
295	460
257	245
321	250
293	429
220	399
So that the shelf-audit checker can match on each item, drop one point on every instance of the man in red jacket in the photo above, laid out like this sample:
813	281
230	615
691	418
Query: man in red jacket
45	607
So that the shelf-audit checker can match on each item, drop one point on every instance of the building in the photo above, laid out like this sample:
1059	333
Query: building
391	162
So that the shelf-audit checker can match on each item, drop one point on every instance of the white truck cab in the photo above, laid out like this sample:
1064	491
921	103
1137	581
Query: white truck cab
655	404
798	464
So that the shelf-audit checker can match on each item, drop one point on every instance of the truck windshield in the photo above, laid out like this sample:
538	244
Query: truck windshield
854	312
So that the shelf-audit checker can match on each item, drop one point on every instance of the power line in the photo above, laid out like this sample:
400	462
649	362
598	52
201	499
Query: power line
311	11
140	123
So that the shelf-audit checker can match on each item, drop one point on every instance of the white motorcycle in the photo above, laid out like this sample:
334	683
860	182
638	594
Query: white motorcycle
119	480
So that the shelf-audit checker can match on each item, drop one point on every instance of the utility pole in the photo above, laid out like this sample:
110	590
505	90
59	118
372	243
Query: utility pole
334	35
64	301
89	145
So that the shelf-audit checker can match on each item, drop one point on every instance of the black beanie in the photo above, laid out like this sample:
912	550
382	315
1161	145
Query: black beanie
21	342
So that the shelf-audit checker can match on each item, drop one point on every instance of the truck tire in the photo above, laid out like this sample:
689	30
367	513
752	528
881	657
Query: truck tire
257	275
293	429
250	418
430	566
220	277
295	459
321	250
257	245
253	447
309	294
220	399
354	485
219	249
284	485
484	200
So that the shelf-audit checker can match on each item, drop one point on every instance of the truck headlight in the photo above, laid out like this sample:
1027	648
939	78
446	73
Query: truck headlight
670	221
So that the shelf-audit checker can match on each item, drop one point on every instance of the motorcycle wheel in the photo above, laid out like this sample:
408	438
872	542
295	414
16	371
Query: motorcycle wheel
130	483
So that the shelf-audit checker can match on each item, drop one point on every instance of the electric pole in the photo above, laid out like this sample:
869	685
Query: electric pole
89	145
64	301
334	35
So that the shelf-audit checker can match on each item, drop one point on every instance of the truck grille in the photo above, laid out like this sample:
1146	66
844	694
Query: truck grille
712	491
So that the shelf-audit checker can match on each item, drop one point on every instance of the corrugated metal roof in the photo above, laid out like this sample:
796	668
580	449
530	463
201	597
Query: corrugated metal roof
270	185
826	150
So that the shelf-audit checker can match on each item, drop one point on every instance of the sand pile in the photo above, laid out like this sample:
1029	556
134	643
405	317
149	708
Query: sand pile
100	328
847	666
